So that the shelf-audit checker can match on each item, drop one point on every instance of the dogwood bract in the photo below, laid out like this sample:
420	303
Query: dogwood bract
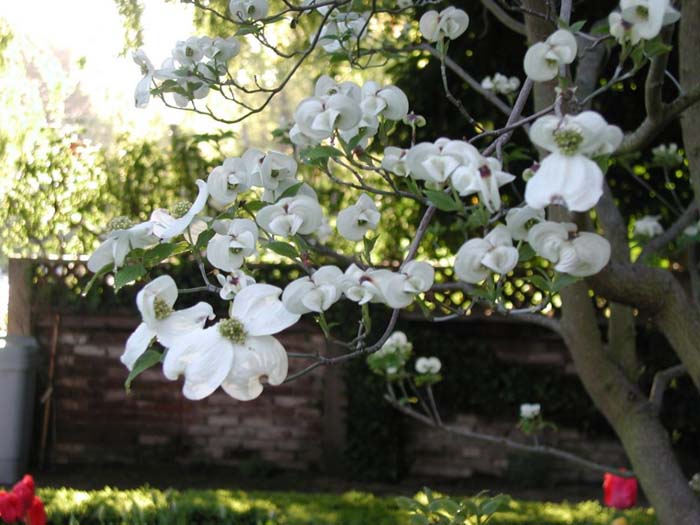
315	293
428	365
233	241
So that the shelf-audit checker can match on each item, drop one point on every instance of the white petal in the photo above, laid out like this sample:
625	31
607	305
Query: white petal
586	255
259	309
137	344
547	239
183	322
468	267
501	259
536	64
180	225
260	357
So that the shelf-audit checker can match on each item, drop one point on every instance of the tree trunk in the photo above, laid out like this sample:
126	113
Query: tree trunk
610	383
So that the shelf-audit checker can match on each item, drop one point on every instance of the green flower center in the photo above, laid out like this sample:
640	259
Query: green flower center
233	330
120	223
642	12
180	209
161	308
568	140
235	251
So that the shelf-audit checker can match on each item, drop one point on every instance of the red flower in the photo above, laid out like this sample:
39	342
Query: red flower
24	490
36	515
619	492
11	507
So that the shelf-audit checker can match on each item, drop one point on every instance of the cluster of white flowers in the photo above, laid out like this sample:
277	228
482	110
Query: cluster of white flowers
667	155
238	353
347	108
641	20
453	163
193	65
501	84
274	172
395	289
530	410
648	226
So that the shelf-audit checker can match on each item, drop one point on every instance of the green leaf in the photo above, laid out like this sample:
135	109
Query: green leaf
442	201
291	191
368	245
418	519
561	281
319	155
148	359
526	253
254	206
478	218
163	251
577	26
246	30
128	274
101	273
407	503
412	186
283	248
445	505
540	282
656	47
204	238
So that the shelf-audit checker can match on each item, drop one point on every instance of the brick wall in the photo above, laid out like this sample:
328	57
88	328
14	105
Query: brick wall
97	421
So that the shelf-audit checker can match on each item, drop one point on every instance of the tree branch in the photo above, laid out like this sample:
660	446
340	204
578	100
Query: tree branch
661	381
659	242
503	17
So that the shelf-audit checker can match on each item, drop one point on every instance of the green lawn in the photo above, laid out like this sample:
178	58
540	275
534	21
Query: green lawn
148	506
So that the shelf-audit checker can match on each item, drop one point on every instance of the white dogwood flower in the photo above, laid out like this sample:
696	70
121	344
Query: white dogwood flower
316	118
227	181
477	257
142	94
233	241
648	226
501	84
233	283
578	254
543	59
449	23
399	289
648	16
362	286
482	175
243	10
123	237
623	31
169	224
316	293
237	354
155	302
394	160
429	162
388	101
355	221
428	365
342	28
568	176
291	215
518	219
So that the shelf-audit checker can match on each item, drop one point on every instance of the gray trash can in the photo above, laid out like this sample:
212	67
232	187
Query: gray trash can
18	363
